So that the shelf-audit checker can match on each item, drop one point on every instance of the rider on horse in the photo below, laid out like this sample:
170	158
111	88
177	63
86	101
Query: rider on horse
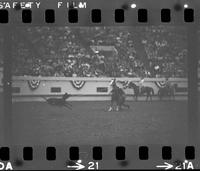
114	93
117	95
167	90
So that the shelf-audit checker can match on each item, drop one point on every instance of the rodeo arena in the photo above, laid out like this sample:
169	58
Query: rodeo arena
99	85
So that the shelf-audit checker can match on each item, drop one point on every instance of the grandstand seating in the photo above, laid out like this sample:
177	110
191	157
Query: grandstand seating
65	51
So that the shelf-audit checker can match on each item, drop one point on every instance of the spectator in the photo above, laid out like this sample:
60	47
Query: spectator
65	51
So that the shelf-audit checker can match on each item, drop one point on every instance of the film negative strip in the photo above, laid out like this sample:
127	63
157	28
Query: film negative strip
99	85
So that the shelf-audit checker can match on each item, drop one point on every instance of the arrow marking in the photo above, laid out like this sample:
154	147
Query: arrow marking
166	166
78	166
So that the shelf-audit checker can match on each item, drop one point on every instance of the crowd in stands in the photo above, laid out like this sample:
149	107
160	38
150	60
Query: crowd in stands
67	52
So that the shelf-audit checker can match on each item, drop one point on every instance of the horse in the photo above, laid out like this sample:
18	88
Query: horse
121	99
144	90
167	91
118	96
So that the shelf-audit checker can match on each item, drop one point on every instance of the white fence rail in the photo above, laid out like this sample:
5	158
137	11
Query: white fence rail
30	88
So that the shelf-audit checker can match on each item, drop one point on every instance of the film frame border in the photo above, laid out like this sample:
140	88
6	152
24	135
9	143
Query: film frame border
96	15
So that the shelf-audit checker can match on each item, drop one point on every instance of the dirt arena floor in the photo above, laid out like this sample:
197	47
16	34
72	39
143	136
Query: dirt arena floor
90	123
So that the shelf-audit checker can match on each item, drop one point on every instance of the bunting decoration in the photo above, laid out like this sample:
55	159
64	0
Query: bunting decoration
77	84
160	84
33	84
124	83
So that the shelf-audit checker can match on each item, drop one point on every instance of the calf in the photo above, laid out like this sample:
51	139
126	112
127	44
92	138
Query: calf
59	101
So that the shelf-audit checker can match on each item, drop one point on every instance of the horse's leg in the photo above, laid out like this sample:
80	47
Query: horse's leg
147	96
160	96
136	97
119	102
150	96
173	95
127	106
133	95
118	108
118	105
111	106
123	103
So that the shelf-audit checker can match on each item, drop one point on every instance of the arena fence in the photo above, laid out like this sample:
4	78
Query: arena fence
26	88
34	88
